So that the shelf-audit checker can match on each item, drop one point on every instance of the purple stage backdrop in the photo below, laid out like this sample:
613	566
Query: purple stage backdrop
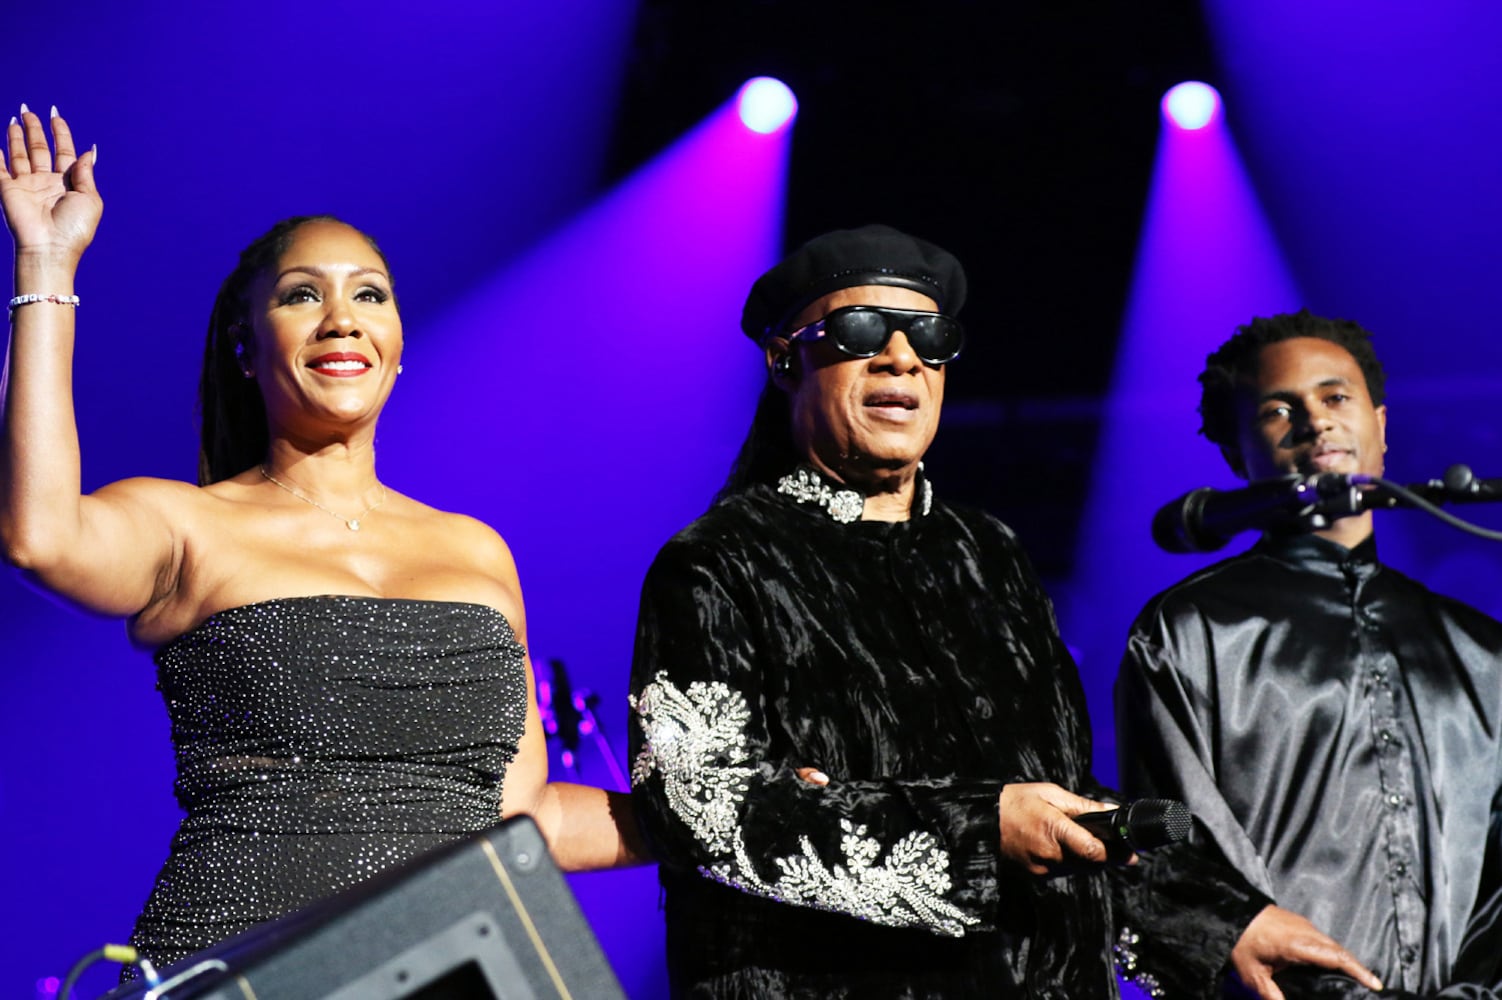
1351	170
574	372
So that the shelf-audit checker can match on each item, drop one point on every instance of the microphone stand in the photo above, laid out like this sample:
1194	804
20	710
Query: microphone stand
1459	485
568	713
585	701
1203	520
1326	497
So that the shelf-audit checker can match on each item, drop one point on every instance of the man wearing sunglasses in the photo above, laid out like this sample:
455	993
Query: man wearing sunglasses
857	736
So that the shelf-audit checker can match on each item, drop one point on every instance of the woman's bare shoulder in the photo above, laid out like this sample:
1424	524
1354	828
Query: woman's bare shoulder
173	495
470	545
150	489
465	530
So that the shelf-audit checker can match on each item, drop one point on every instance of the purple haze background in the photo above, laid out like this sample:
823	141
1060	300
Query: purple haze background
574	377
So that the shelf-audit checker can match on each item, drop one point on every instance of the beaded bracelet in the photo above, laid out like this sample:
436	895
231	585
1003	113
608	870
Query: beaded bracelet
26	300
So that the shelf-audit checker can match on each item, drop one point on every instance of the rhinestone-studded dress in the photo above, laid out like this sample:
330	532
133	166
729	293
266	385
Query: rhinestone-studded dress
321	740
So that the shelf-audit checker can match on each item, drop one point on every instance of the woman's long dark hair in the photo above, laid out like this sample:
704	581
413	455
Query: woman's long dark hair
232	416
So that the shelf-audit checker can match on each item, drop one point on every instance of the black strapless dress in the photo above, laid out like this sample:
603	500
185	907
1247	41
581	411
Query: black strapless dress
320	740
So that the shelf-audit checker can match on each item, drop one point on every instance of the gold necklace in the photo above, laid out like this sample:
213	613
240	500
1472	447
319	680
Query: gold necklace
352	523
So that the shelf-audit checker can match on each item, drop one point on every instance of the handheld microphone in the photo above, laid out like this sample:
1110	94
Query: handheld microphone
1205	519
1138	826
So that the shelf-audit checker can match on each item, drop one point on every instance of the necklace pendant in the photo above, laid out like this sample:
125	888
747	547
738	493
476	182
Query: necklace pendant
352	523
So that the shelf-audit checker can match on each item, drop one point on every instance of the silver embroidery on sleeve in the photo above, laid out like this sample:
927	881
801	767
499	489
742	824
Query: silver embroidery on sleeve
905	890
696	741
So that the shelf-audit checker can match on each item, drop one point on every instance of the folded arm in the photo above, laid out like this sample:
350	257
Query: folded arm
714	798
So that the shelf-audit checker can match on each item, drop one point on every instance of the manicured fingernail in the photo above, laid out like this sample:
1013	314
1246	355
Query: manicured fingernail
820	777
95	150
54	111
13	120
24	109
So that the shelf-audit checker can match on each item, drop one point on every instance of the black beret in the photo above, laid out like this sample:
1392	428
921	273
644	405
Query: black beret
845	258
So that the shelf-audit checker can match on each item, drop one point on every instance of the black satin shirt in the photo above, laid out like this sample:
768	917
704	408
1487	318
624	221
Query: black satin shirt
918	665
1338	728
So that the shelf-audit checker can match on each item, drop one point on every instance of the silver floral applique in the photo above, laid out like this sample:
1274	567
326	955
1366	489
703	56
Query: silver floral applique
905	890
689	737
806	486
696	741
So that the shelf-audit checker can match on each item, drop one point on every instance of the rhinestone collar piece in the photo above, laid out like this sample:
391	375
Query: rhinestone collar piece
805	485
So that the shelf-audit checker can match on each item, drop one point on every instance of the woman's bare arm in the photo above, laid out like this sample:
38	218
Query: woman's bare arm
585	828
588	828
112	552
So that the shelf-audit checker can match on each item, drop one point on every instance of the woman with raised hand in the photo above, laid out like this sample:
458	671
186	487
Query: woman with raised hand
345	668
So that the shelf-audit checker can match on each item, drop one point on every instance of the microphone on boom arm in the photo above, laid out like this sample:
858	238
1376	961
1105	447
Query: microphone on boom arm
1205	519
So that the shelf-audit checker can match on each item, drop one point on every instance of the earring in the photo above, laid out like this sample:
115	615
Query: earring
245	370
783	366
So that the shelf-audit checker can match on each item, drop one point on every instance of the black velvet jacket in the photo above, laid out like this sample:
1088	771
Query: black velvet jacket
1337	728
918	665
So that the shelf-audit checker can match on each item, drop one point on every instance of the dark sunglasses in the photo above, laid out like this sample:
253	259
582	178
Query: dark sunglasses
863	332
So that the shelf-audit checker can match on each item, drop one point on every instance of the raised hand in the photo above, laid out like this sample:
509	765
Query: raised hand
51	204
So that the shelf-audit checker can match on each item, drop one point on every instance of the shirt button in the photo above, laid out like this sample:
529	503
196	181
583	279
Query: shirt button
1395	800
1400	869
1385	735
1408	953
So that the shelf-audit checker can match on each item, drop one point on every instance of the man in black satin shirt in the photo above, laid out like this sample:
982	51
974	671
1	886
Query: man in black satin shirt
1334	725
858	741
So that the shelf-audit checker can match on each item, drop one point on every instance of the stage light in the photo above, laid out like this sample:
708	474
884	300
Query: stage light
766	104
1191	105
1206	259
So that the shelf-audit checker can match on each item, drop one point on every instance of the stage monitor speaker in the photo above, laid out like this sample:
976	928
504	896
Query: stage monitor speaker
488	918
